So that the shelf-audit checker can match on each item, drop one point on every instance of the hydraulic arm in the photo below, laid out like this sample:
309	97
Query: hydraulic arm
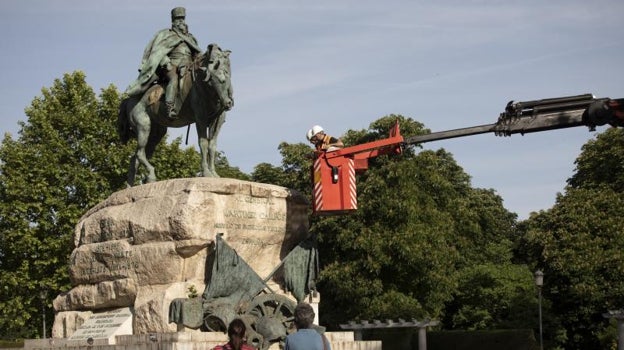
540	115
335	190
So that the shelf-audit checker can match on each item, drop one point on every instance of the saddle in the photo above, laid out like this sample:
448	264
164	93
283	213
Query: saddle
156	93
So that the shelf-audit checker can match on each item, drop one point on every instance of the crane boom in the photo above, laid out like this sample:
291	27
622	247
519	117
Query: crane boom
527	117
335	190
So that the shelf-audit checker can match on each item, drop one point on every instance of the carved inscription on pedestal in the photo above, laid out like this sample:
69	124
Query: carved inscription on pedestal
105	325
248	213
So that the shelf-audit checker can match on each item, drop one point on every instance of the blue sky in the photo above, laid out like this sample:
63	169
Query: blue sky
344	64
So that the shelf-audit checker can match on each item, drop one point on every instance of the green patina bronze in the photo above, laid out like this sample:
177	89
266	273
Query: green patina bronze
234	290
170	51
177	86
205	95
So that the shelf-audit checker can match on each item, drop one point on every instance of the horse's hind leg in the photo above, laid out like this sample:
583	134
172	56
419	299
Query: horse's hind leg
157	133
143	136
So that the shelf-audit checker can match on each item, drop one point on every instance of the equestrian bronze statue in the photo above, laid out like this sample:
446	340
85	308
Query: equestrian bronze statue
204	95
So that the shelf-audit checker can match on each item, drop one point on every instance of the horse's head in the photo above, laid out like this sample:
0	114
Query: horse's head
218	74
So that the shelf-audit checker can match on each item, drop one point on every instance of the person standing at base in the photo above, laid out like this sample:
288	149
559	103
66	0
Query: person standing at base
236	334
306	338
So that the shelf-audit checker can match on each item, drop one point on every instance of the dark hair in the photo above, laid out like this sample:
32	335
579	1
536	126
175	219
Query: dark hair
304	315
236	333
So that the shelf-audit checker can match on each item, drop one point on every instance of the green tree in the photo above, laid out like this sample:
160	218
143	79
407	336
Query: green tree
224	169
67	158
294	171
493	296
49	176
579	243
601	162
493	292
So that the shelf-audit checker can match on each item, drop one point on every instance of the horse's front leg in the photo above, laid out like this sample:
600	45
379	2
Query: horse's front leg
215	127
202	138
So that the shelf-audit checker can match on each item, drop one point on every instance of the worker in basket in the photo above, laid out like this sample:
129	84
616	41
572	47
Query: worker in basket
322	141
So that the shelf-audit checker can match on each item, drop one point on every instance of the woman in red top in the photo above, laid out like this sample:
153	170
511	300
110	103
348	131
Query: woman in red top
236	333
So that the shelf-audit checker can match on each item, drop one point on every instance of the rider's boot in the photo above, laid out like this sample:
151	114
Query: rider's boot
171	91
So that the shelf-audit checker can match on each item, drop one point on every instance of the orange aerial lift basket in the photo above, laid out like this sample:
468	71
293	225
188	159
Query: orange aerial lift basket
333	173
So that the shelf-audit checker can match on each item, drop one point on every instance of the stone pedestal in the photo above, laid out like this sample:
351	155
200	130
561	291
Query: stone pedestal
314	300
147	245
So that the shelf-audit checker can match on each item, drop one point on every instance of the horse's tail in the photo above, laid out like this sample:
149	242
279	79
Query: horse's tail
123	127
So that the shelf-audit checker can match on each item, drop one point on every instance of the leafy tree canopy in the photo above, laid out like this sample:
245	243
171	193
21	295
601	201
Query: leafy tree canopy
579	242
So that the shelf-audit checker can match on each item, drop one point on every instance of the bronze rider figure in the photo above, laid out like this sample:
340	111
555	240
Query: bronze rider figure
167	56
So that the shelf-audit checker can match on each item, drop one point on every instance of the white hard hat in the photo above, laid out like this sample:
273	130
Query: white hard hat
315	130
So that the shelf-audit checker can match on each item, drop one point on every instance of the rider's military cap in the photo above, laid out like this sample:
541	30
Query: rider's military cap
178	12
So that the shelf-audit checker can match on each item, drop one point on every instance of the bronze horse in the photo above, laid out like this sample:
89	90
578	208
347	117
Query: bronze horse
205	96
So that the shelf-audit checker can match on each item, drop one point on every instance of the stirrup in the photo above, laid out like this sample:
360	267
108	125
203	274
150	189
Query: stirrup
171	112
